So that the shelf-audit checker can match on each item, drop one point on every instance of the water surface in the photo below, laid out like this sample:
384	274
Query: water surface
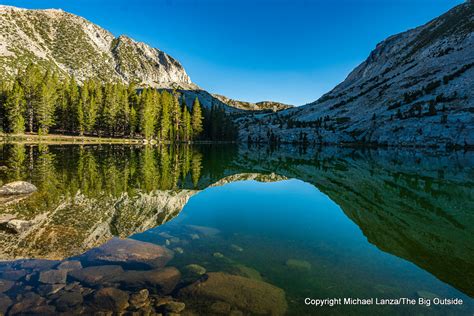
314	222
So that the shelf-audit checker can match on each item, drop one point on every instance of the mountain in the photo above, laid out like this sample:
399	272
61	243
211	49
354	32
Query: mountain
258	106
415	88
78	47
74	46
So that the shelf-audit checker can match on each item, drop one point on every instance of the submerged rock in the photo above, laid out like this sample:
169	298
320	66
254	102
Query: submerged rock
298	264
110	299
31	304
70	265
236	248
218	255
139	299
13	275
179	250
5	285
49	289
131	252
68	300
53	277
17	187
204	230
174	307
5	303
248	272
195	269
162	281
252	296
97	274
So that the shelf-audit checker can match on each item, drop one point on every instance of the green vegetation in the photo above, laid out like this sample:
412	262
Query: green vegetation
40	102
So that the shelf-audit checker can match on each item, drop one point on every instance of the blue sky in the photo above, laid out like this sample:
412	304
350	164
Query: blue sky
282	50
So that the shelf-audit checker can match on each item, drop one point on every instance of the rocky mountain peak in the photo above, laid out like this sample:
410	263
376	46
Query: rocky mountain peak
75	46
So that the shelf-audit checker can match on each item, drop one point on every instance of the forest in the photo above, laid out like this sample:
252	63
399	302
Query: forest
41	101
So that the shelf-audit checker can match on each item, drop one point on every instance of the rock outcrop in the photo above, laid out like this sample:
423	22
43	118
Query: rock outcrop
17	188
415	89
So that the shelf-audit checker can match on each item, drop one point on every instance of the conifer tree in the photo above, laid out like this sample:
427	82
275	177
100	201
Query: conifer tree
197	119
72	107
165	126
175	117
15	108
47	103
186	128
30	81
148	114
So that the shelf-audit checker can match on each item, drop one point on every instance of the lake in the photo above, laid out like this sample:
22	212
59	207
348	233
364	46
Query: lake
236	230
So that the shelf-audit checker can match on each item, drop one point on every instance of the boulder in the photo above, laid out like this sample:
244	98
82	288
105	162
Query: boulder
161	281
96	275
139	299
174	307
13	275
130	252
31	304
17	187
5	303
5	285
195	269
16	226
252	296
110	299
70	265
53	277
49	289
68	300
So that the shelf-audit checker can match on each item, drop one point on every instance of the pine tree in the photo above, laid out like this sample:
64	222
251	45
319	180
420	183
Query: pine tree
47	103
186	126
110	109
197	119
133	104
15	108
148	114
72	107
83	99
90	105
165	126
175	117
30	81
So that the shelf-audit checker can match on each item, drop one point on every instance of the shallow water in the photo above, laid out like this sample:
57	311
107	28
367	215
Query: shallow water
316	223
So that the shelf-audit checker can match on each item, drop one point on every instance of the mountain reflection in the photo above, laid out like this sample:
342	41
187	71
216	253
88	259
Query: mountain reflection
415	205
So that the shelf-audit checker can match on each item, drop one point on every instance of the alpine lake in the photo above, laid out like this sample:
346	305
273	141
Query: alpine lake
236	230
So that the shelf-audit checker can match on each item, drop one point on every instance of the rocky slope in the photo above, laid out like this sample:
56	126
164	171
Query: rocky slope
415	88
78	47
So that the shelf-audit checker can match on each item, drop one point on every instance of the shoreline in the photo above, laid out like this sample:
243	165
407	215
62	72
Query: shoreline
78	140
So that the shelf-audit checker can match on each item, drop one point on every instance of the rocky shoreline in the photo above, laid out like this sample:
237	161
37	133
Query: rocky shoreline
130	277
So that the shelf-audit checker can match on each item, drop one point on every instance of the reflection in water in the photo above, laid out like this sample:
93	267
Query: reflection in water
285	238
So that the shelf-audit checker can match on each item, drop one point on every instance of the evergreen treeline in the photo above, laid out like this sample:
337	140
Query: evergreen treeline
40	101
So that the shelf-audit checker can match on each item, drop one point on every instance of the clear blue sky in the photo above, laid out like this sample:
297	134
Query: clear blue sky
284	50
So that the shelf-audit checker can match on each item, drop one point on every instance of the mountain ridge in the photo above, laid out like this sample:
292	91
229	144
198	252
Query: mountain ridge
78	47
414	89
